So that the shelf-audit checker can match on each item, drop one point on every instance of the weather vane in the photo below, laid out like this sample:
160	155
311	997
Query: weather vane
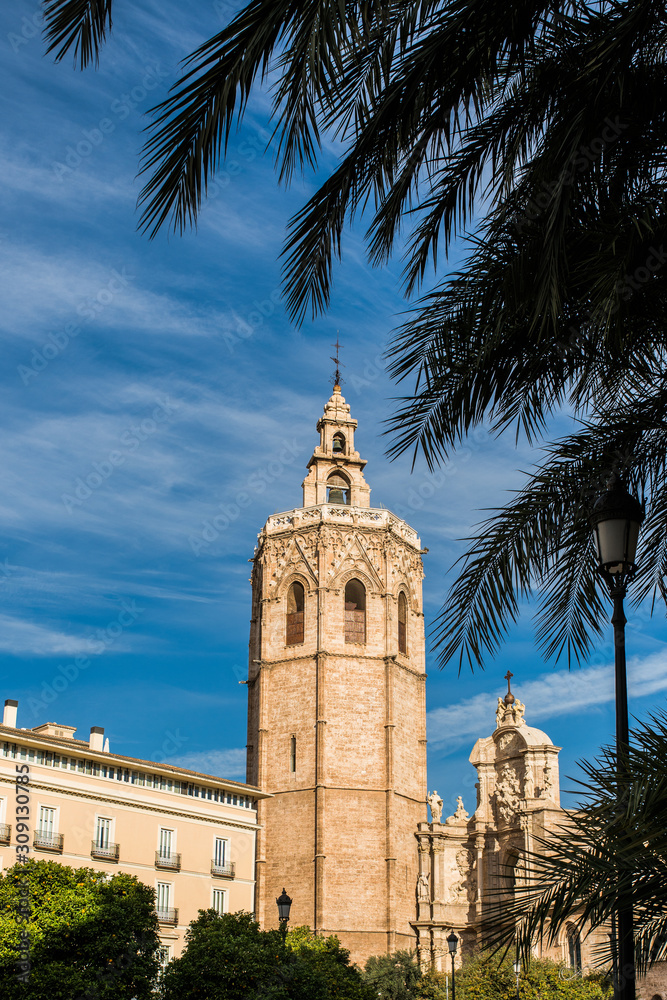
337	378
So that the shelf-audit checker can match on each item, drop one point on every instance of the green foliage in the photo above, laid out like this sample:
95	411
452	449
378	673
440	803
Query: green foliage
488	979
393	977
91	937
432	986
397	977
228	957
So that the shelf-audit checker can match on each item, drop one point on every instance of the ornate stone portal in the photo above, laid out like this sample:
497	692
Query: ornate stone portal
466	858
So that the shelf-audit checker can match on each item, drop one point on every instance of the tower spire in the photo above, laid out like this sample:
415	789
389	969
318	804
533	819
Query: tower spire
337	379
509	697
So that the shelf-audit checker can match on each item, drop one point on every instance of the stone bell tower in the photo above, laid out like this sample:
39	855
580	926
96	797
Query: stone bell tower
336	718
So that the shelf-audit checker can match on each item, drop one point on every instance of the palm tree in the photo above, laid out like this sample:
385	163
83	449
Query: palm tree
615	843
542	126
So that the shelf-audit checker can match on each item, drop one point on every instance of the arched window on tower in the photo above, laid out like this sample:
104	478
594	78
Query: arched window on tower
339	444
338	489
402	623
355	611
295	602
573	947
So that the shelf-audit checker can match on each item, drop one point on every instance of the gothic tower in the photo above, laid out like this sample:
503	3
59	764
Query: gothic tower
336	717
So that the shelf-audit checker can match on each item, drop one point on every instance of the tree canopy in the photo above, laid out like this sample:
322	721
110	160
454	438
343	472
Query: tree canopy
482	977
393	977
485	978
228	957
90	935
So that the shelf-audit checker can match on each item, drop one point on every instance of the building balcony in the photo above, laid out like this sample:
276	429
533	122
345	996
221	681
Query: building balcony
5	833
110	852
167	917
48	842
223	871
170	862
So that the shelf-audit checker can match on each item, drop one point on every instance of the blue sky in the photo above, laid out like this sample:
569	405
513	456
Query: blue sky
168	372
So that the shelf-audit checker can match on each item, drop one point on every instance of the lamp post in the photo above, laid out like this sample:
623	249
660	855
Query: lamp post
284	904
616	519
452	942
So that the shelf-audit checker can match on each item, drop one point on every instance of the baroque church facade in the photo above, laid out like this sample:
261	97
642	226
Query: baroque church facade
337	737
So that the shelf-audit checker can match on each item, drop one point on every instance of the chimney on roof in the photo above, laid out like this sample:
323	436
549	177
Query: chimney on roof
9	715
96	738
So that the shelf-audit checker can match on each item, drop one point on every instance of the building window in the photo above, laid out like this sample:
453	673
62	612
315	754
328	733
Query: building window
47	821
219	900
163	898
103	832
220	852
574	947
292	754
165	856
355	611
165	842
295	604
338	489
164	954
339	444
402	623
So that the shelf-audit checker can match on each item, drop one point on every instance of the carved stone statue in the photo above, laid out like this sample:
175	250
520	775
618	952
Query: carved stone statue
507	794
435	803
528	783
519	712
548	782
500	712
460	816
423	894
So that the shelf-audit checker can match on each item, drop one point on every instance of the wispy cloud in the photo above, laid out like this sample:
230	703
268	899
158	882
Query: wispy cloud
561	692
228	763
23	637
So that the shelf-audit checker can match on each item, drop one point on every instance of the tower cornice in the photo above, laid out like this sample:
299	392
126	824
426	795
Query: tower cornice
372	518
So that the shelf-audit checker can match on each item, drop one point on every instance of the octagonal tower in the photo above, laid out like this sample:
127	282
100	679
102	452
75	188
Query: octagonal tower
336	721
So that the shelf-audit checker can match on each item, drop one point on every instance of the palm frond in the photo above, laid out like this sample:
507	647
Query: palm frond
78	25
540	542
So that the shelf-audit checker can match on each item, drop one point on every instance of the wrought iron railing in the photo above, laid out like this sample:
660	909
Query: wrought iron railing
5	833
48	841
167	916
223	871
106	852
170	861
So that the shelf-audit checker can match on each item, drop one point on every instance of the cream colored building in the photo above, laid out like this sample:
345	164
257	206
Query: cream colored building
189	836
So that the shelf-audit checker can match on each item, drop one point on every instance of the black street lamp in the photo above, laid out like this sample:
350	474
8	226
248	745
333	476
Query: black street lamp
284	904
452	942
616	519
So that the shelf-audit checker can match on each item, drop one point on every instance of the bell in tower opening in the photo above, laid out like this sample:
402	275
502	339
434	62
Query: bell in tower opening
338	489
336	711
